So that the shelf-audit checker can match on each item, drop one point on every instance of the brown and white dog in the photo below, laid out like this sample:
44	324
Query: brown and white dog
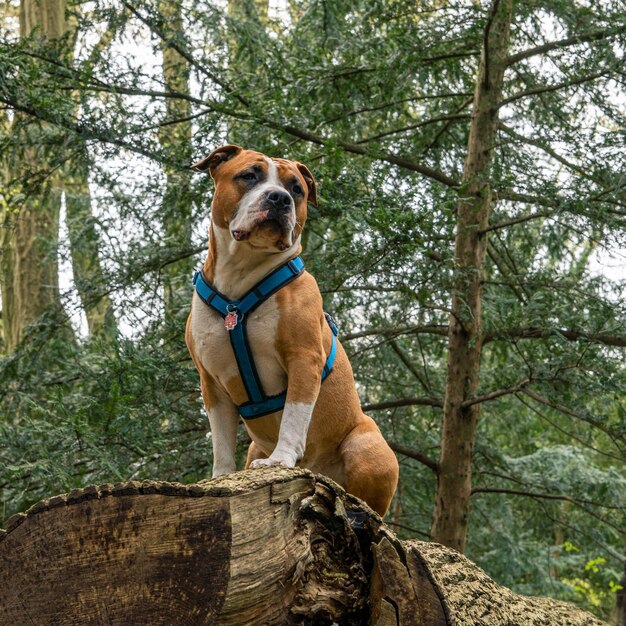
258	211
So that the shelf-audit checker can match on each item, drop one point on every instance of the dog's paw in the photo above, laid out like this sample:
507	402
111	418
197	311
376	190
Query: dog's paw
269	463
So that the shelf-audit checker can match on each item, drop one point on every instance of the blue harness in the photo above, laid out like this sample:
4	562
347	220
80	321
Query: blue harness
235	313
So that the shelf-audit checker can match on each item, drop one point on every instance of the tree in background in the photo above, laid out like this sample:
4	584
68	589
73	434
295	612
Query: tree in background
175	138
31	198
467	189
465	336
84	238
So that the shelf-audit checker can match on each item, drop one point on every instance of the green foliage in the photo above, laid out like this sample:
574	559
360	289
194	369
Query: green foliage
593	583
367	94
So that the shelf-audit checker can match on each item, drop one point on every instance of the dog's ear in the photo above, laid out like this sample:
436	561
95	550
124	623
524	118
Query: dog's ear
310	183
216	158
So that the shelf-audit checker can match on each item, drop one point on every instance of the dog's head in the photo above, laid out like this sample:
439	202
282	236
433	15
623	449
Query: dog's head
262	201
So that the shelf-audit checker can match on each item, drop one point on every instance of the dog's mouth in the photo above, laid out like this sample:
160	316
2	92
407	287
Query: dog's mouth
277	227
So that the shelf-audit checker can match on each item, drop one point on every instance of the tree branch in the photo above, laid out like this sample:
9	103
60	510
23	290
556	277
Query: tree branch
496	394
415	454
562	43
514	196
547	149
515	220
86	132
544	496
353	148
567	411
229	89
533	332
568	434
433	120
441	330
555	87
409	365
393	404
558	203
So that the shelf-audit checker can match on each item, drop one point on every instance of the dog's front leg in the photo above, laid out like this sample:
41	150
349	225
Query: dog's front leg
224	421
303	387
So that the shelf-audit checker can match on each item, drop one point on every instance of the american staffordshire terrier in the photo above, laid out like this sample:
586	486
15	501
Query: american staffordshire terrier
261	342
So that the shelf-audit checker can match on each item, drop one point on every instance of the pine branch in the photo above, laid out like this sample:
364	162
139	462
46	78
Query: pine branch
386	105
545	496
409	365
229	89
440	329
556	87
515	220
563	43
304	134
497	394
559	203
404	129
567	411
533	332
530	332
393	404
568	434
545	148
415	454
353	148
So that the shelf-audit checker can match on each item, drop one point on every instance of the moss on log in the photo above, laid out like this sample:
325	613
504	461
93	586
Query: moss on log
262	547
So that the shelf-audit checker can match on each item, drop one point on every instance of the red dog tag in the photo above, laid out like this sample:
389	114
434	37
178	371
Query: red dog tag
230	321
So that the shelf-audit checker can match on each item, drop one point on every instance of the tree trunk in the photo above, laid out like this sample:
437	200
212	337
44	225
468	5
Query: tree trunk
175	138
618	615
84	246
30	227
259	547
83	236
28	241
460	417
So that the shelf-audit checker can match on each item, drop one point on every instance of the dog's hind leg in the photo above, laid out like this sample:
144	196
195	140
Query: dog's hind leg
371	467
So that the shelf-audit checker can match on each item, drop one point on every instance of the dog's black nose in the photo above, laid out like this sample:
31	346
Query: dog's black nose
278	200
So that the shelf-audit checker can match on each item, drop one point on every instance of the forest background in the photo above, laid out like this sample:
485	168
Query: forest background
469	240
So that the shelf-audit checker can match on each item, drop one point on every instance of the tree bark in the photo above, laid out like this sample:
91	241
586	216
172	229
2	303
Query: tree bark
175	138
30	227
454	480
273	546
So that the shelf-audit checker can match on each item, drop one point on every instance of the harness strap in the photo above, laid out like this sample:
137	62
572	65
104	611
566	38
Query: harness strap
258	403
260	292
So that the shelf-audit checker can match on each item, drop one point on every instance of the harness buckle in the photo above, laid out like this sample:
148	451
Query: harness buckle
331	323
293	267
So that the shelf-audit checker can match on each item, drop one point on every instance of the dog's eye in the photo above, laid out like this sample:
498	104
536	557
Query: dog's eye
247	176
297	190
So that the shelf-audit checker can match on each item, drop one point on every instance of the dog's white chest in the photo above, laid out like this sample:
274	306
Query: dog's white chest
212	344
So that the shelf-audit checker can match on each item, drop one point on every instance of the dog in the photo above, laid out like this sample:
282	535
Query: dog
261	342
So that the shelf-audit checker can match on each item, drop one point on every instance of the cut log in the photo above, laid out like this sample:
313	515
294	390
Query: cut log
260	547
